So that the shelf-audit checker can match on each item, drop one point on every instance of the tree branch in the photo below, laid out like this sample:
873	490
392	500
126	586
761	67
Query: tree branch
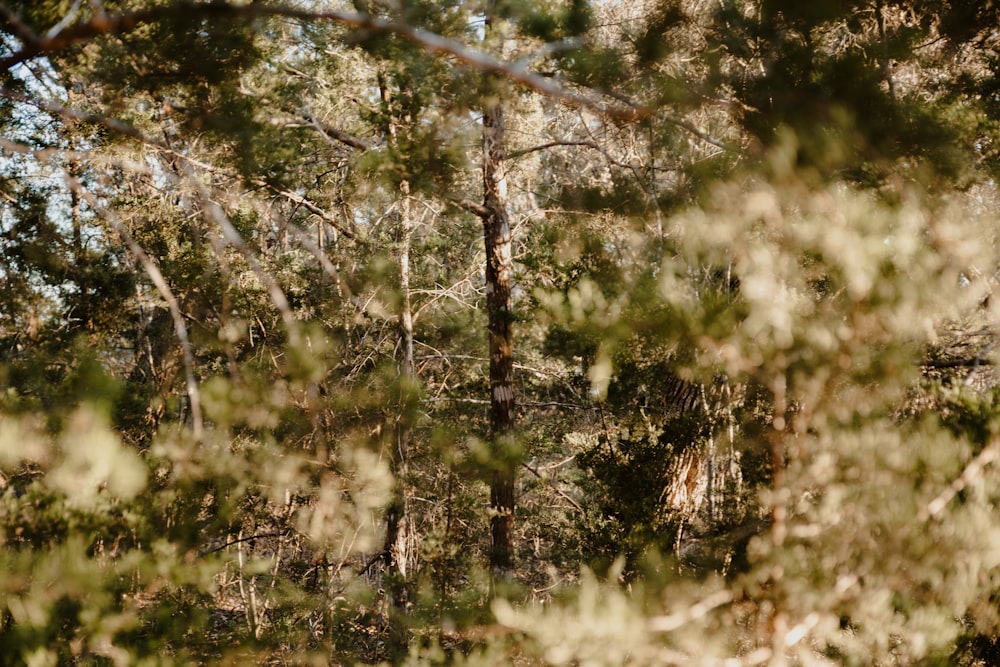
99	24
472	207
553	486
232	236
112	124
20	28
312	208
105	24
156	276
526	151
330	133
113	24
56	109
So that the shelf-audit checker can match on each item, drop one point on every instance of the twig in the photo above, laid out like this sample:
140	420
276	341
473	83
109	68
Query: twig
312	208
242	539
989	454
523	404
233	237
153	271
555	404
552	144
671	622
553	486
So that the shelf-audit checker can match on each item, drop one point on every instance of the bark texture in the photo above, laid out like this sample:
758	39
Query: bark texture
397	534
497	237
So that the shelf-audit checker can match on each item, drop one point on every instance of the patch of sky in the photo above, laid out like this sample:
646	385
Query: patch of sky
24	120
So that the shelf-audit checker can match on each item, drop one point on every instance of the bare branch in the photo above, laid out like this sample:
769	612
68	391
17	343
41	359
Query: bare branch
233	237
153	271
553	486
324	261
330	133
551	144
20	28
105	24
989	454
312	208
450	399
472	207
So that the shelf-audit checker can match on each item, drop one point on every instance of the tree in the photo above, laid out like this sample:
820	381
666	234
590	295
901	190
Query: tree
499	267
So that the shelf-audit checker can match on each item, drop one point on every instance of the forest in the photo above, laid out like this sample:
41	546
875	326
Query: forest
499	332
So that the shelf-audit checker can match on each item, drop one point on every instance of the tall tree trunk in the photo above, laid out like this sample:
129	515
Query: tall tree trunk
397	538
497	237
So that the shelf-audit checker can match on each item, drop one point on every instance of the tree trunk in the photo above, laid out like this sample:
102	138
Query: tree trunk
397	538
497	237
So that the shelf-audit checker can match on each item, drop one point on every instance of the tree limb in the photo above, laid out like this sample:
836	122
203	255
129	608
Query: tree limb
111	24
330	133
19	27
551	144
553	486
312	208
99	24
156	276
472	207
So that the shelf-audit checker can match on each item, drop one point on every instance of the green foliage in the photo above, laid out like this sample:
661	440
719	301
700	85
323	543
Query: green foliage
626	467
547	21
652	43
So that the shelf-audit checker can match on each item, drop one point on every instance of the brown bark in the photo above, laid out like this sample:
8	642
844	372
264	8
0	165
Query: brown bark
397	538
497	238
